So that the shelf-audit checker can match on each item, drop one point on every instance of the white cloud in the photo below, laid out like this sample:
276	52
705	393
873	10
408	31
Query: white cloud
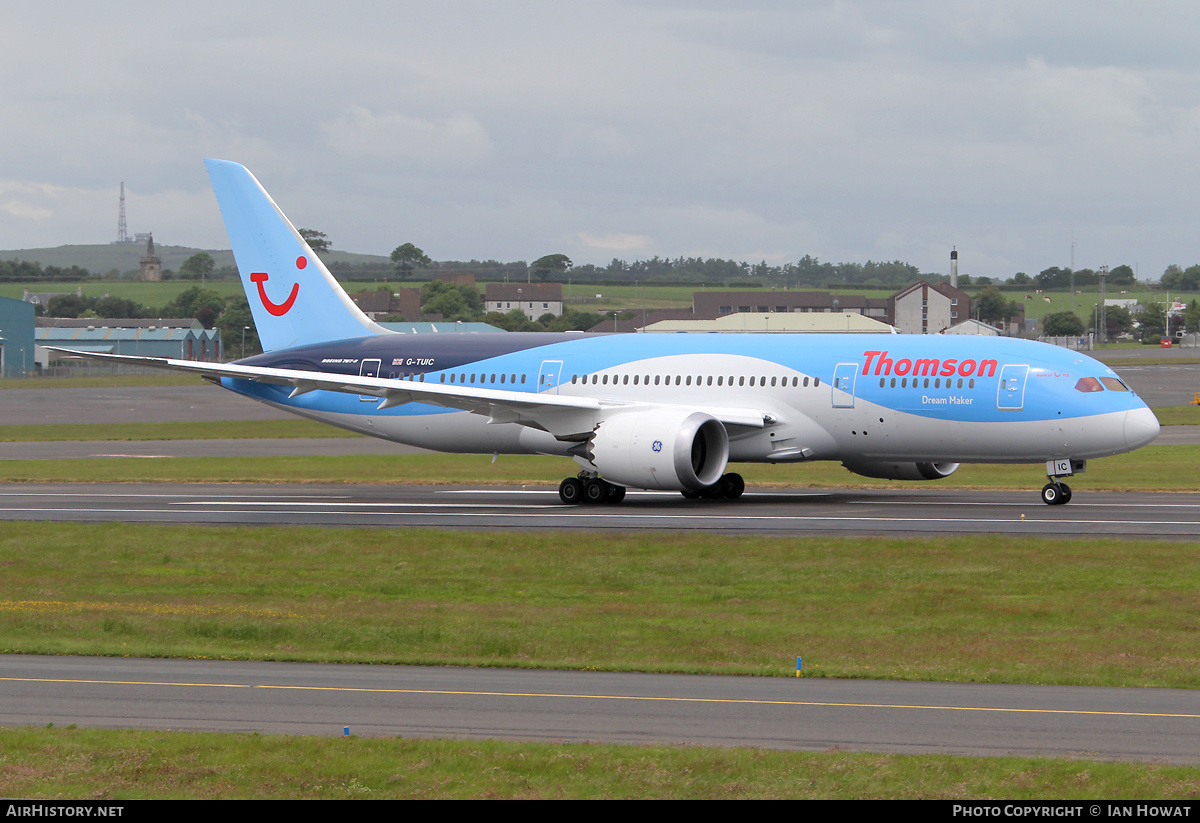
458	140
614	242
18	208
843	130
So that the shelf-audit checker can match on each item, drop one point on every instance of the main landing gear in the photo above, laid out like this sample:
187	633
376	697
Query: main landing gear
590	490
729	487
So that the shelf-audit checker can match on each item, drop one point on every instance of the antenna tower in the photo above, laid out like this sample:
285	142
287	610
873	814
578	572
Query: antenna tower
122	235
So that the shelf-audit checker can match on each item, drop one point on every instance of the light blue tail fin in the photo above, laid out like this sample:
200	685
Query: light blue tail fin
293	297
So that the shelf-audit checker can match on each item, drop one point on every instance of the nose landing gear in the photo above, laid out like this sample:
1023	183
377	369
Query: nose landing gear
1057	493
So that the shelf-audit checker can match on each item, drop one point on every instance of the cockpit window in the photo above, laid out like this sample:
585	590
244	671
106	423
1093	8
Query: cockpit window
1088	384
1113	384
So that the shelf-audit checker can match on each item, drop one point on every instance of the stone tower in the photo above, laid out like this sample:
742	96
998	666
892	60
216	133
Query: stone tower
151	263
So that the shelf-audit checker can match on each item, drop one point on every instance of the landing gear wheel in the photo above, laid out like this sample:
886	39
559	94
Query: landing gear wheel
729	487
1053	494
615	494
595	492
570	491
1066	493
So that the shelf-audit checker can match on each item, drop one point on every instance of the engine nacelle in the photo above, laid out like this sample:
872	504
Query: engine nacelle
672	450
888	470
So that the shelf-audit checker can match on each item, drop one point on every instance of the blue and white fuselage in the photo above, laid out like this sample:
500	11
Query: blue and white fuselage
897	397
659	411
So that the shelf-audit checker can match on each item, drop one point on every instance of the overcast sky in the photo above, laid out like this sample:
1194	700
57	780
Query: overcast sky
509	130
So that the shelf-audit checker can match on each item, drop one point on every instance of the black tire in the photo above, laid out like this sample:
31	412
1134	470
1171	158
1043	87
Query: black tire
1052	494
690	494
736	485
1066	493
615	493
570	491
595	492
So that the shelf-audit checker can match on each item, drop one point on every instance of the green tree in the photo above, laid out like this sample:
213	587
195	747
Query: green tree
556	264
451	301
318	241
205	305
1062	324
1191	317
232	322
991	306
1171	277
1151	320
1121	276
514	320
1118	321
119	307
407	258
68	305
1054	278
197	267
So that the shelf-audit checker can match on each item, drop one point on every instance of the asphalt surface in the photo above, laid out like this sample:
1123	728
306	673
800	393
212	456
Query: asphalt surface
812	714
131	404
249	447
794	512
790	713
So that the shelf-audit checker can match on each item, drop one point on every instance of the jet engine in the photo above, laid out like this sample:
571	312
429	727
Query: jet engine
672	450
889	470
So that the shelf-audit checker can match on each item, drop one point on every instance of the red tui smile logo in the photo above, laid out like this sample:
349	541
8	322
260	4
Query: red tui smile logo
277	309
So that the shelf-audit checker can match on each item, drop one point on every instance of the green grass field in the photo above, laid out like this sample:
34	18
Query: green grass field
1153	468
1084	612
202	430
130	765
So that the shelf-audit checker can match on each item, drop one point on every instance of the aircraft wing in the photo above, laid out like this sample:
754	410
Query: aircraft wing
566	417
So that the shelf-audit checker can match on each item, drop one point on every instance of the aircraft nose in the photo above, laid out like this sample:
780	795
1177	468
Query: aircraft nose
1141	426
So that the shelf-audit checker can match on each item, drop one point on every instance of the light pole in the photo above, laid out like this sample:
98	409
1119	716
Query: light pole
244	330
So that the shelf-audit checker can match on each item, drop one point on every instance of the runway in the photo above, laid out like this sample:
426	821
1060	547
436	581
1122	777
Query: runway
809	714
784	713
781	512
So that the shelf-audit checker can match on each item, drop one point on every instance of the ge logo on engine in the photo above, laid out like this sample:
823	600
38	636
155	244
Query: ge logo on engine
657	445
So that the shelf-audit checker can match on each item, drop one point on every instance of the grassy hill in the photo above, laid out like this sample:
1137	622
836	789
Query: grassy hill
100	259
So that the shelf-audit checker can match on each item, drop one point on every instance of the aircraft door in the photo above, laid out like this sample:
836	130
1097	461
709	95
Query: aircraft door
368	368
1011	394
548	377
844	377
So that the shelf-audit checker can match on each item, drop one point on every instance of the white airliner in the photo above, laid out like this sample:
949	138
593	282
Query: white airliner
659	411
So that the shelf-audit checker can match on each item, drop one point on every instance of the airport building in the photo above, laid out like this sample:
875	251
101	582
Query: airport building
918	309
17	352
182	339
